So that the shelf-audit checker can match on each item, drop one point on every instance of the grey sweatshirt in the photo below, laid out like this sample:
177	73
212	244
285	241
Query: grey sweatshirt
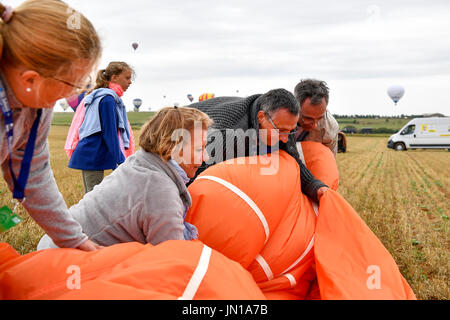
142	200
43	201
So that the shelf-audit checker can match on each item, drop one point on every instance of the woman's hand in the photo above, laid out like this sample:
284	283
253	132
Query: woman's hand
89	245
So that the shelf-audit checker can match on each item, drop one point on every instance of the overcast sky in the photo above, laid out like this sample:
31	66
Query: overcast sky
243	47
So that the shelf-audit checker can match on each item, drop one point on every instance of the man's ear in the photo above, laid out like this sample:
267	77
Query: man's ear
261	115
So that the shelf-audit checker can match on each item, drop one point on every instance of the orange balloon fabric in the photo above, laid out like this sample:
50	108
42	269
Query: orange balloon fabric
259	237
293	248
351	262
320	161
262	221
126	271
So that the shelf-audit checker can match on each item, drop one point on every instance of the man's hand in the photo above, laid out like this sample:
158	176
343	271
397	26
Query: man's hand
321	192
89	245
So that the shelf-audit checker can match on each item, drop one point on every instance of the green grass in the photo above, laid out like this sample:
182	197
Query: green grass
62	118
137	119
389	123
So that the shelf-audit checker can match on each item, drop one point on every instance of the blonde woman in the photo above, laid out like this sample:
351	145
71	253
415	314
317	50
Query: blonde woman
42	61
145	199
104	134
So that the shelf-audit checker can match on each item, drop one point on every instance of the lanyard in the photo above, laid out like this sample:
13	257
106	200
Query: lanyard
21	181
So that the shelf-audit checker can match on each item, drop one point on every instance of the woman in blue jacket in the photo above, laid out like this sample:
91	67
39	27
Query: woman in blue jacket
105	126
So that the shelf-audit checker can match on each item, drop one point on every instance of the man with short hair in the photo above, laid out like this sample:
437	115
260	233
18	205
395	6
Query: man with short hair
315	122
251	121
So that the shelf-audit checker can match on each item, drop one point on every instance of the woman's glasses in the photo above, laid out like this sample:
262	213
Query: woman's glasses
70	84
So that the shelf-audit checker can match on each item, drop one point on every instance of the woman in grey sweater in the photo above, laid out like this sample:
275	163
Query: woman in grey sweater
145	199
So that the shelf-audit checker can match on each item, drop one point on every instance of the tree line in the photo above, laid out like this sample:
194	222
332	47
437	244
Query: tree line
374	116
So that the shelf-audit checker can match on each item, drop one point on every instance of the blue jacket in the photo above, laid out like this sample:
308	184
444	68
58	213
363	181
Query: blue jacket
99	150
91	123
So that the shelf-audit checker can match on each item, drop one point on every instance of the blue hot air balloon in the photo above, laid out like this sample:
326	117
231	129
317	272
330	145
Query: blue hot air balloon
137	104
190	97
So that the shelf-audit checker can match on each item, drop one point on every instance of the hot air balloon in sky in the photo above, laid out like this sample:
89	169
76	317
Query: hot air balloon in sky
395	92
137	104
135	45
206	96
74	100
64	104
190	97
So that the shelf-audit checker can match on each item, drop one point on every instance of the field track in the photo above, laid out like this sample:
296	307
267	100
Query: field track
404	197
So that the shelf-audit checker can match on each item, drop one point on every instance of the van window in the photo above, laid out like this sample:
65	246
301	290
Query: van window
409	129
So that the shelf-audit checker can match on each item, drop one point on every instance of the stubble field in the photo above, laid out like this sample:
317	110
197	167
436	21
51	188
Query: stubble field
404	197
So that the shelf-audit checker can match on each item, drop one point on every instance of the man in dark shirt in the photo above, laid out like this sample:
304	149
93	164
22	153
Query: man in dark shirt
257	124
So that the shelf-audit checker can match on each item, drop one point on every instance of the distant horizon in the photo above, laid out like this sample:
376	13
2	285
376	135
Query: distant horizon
334	114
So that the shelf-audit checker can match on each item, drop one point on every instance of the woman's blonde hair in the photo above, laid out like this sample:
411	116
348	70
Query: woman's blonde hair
47	36
113	68
157	134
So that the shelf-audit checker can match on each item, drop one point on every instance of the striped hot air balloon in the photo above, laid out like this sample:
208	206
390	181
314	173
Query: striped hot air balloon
206	96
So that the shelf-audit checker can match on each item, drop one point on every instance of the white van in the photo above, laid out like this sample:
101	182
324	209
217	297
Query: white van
423	133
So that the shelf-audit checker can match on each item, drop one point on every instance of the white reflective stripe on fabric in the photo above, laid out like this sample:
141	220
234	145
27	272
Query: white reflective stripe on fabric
300	152
291	279
310	245
315	208
244	197
265	266
198	275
